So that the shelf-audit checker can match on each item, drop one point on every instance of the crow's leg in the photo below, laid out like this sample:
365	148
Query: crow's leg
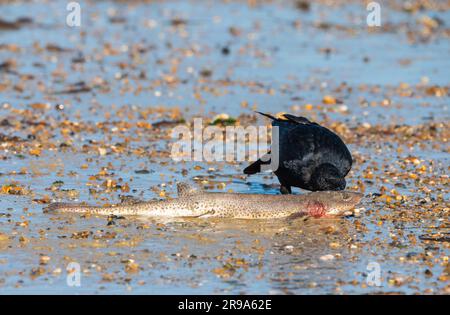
285	190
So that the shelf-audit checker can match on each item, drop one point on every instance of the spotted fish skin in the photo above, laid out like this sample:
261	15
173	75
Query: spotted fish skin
194	203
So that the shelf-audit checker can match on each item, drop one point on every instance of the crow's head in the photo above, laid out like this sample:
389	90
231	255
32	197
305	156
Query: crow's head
327	177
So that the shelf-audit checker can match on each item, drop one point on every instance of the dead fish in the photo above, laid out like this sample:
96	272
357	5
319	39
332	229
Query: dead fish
198	203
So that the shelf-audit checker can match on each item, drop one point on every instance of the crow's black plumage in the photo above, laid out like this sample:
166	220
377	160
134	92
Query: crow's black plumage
311	156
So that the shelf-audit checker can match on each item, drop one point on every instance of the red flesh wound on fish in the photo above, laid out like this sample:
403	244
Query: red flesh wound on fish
316	209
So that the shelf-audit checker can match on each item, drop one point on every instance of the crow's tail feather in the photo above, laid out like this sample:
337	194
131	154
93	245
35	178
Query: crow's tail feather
267	115
297	119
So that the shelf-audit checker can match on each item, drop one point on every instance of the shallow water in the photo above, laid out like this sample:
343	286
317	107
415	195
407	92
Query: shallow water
148	68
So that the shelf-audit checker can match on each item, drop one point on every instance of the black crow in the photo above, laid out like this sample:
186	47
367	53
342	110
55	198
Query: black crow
310	156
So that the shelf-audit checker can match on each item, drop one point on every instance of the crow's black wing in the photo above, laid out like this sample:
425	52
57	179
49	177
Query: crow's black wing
255	167
316	145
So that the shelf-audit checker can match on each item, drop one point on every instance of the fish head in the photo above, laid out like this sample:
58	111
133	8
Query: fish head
337	203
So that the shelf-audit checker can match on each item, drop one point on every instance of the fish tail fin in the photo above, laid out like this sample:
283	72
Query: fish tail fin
54	206
58	206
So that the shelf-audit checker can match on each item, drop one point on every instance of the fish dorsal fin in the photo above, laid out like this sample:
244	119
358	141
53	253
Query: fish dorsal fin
185	190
